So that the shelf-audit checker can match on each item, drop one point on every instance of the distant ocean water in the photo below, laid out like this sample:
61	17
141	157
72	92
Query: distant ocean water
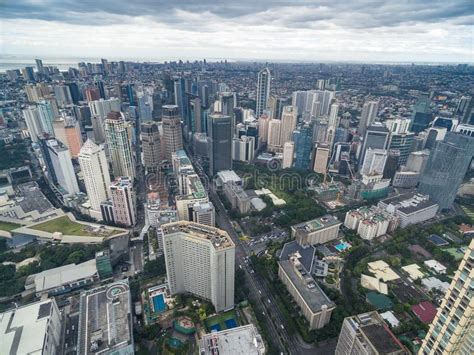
13	62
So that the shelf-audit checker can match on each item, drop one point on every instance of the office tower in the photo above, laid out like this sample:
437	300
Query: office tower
34	123
243	148
105	65
368	115
417	161
122	195
288	153
151	146
180	97
63	95
274	135
374	161
99	111
321	158
434	134
68	131
376	136
451	331
320	128
59	165
466	109
39	66
145	107
28	74
227	103
341	135
368	334
47	115
275	105
333	120
195	109
391	164
263	122
92	94
263	90
422	104
95	170
200	260
420	121
446	167
172	131
33	93
204	213
403	143
118	135
303	138
75	94
289	118
220	142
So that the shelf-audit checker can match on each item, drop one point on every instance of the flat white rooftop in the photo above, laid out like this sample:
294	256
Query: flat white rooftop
244	340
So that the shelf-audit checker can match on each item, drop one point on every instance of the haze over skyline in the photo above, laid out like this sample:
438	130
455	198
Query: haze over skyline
371	31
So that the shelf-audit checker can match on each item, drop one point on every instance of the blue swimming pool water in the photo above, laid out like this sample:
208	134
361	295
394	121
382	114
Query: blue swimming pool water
341	246
159	303
216	327
230	323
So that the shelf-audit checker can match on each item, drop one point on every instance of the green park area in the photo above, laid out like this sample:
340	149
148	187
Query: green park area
65	226
8	227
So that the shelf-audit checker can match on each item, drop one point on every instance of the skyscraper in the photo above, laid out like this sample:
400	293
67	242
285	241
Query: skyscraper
95	170
39	66
451	331
374	161
122	195
274	135
99	111
263	90
118	137
321	158
288	152
172	131
303	138
200	260
376	136
151	145
220	142
289	119
447	164
63	95
367	117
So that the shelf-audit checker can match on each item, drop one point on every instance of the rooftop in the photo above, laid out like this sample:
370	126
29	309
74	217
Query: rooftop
409	202
219	238
23	329
105	319
244	340
229	176
425	311
316	224
312	294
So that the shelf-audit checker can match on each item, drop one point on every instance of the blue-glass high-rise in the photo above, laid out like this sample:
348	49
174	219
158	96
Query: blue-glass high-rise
303	139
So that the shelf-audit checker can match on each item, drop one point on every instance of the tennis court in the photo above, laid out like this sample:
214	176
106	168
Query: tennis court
222	321
437	240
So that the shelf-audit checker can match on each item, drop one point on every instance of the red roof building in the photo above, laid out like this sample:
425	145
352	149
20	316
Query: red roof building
425	311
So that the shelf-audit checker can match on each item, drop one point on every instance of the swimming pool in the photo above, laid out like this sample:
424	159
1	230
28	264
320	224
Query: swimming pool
342	246
159	303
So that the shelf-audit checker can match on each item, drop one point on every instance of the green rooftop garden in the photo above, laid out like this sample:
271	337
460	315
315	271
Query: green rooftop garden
66	226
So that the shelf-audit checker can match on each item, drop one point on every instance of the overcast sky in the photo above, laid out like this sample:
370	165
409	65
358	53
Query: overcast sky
318	30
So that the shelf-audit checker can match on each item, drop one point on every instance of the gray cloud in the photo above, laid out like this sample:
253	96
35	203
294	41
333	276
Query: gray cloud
296	13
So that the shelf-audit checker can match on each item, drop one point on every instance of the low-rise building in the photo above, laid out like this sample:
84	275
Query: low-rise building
374	284
314	303
316	231
237	197
106	320
410	208
435	266
382	271
413	271
31	329
244	340
370	222
367	334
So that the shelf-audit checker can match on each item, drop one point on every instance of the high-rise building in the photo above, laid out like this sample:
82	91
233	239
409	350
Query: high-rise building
63	95
151	145
392	163
200	260
374	161
333	120
402	142
376	136
321	158
368	334
68	131
446	167
303	138
39	66
288	153
92	94
369	112
451	331
60	169
95	170
99	111
220	142
227	103
274	135
263	90
172	131
263	122
33	123
122	195
204	213
118	135
243	148
289	119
